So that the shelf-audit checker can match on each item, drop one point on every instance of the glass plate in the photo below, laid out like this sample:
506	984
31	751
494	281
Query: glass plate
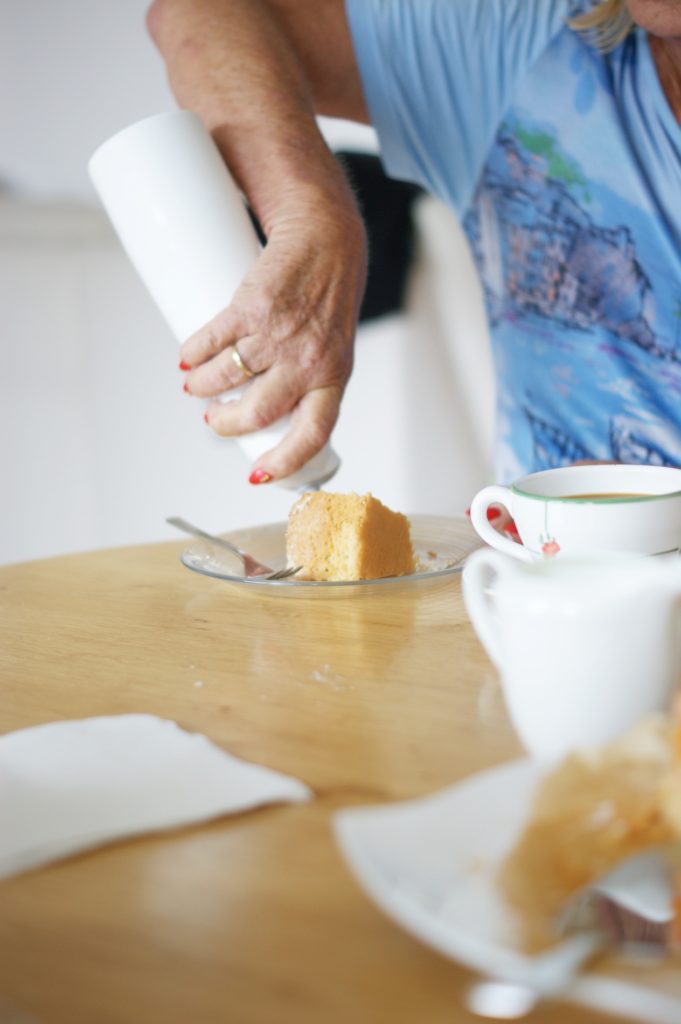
441	545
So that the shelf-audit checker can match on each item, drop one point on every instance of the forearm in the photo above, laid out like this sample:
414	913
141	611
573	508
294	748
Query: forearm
232	62
253	70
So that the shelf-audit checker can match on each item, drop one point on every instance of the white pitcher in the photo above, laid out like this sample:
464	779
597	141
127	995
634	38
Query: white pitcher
584	648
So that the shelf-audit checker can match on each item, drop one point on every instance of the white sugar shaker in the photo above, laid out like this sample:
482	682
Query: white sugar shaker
184	225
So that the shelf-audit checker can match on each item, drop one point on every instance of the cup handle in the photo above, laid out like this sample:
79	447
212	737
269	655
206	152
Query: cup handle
484	565
495	495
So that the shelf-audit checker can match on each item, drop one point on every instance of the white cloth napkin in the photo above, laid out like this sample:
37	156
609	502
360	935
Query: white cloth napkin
70	786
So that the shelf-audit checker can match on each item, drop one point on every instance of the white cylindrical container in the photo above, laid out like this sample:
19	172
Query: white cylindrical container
185	227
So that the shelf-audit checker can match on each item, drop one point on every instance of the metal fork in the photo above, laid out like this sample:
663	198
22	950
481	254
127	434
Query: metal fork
598	919
252	567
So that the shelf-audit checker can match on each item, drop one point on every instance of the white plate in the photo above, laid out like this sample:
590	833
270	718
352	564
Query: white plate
431	866
441	545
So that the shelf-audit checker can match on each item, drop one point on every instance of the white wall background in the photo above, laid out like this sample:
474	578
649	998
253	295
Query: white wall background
100	442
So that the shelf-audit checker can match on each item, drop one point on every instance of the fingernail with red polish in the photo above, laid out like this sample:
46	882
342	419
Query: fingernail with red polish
185	387
184	366
205	417
259	476
492	514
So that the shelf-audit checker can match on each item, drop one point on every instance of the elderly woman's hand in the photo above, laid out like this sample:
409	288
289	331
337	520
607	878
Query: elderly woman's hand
257	72
292	323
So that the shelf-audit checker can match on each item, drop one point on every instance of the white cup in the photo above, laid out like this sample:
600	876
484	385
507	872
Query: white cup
586	511
185	227
584	648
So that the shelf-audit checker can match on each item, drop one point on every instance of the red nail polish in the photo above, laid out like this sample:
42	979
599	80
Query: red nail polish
492	514
205	417
185	387
259	476
184	366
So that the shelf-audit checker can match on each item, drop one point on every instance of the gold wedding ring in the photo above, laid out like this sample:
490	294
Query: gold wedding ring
240	363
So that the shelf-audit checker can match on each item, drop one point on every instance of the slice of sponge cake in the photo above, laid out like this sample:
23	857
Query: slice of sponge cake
347	537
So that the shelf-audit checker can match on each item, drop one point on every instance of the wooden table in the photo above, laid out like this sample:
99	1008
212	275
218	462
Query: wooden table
254	918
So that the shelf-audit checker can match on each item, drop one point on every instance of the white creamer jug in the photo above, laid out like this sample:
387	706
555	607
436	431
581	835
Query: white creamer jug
184	225
584	648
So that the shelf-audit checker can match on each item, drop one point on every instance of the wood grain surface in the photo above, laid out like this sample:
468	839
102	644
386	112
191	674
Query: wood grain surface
254	918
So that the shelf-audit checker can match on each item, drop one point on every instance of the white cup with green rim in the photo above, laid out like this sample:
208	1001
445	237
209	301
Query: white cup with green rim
585	511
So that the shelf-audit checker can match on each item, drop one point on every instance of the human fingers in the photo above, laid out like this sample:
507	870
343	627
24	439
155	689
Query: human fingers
231	368
312	421
501	520
264	401
226	328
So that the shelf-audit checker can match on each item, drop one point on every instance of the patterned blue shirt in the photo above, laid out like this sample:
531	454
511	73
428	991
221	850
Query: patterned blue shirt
565	166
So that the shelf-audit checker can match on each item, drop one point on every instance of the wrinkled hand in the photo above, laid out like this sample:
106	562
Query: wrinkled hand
294	320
